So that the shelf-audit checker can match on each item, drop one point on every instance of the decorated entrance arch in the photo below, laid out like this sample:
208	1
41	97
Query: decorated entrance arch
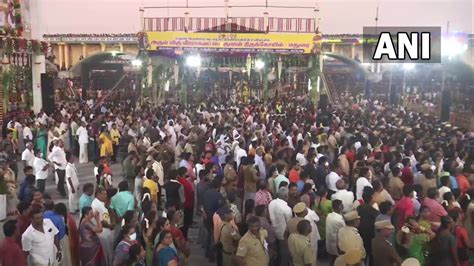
236	63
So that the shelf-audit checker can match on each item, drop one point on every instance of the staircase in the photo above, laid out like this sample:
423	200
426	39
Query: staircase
328	85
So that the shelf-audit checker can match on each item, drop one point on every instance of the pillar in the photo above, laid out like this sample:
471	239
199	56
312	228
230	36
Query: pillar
103	47
121	47
333	47
60	48
149	87
353	51
66	56
142	19
38	68
84	50
226	10
6	67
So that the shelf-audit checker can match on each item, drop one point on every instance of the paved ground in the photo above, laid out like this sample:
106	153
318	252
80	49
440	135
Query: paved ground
86	175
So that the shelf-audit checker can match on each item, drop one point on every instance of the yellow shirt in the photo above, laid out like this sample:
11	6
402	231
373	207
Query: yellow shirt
115	135
153	187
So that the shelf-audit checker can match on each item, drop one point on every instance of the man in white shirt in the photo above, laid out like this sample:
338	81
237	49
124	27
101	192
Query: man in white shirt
132	132
331	180
28	155
83	140
238	154
90	103
58	157
301	159
342	194
280	213
334	222
41	167
106	236
362	182
40	242
72	183
42	118
27	133
260	164
157	167
13	124
313	218
64	128
74	142
445	187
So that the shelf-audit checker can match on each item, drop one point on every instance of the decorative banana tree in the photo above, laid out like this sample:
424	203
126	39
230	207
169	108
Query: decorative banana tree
159	77
7	81
314	72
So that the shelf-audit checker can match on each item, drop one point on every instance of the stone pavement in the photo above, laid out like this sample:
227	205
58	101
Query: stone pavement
86	175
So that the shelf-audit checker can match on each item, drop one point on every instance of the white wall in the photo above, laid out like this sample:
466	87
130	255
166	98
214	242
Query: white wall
337	16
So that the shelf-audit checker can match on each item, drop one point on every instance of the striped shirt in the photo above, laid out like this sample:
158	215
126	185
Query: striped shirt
262	197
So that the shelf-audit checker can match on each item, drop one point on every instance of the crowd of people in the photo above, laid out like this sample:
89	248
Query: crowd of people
278	183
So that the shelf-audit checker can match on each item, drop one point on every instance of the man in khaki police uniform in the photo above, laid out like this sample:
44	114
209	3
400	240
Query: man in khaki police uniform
300	247
382	250
253	247
300	211
348	236
229	236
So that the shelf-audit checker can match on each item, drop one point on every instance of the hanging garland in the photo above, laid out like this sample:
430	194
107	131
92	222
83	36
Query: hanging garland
11	45
17	17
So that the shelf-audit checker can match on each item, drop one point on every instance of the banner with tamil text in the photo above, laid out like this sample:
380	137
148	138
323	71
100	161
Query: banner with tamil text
231	42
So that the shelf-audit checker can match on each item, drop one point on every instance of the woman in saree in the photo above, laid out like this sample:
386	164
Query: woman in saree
165	255
73	239
149	231
162	224
182	247
322	207
127	238
415	236
469	219
90	248
42	140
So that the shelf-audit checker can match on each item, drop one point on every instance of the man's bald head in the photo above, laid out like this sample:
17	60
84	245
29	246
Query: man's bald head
341	184
306	200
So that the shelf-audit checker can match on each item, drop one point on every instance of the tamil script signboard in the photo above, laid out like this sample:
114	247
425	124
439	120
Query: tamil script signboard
231	42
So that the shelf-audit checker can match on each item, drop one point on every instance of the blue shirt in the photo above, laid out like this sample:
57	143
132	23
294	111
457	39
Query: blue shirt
300	185
123	202
452	179
85	201
25	191
58	221
454	182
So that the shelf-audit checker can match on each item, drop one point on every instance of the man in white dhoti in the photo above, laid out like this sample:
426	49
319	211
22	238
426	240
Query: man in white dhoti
3	197
83	140
72	183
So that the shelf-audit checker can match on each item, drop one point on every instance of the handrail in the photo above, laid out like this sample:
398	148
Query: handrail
234	6
326	87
